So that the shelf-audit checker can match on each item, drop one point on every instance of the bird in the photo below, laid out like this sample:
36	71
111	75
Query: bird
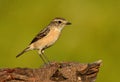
46	37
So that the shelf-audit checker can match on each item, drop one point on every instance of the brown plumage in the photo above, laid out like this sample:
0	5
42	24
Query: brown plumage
46	37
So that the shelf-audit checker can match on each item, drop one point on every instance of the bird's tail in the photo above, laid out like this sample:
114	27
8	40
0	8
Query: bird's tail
26	49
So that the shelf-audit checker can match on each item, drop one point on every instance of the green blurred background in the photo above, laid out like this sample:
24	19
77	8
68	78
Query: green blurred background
93	35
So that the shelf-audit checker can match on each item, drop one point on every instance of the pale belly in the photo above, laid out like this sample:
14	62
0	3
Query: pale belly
47	41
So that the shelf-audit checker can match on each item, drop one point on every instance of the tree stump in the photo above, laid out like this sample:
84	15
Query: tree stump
53	72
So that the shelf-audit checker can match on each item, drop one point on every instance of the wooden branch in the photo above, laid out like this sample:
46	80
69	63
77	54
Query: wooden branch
54	72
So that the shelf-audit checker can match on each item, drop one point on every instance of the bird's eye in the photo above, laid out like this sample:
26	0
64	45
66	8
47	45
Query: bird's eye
59	22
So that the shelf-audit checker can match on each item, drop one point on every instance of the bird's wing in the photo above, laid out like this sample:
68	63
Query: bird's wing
41	34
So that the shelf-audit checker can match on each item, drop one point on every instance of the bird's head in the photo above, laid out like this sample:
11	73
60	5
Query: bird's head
59	22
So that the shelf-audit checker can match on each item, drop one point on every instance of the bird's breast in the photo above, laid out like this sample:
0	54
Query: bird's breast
48	40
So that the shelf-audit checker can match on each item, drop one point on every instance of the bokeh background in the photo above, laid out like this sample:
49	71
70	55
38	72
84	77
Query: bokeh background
93	35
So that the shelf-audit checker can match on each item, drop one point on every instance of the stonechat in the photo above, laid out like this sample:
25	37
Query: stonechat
46	37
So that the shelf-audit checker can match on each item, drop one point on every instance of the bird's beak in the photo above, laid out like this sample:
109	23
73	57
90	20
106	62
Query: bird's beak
68	23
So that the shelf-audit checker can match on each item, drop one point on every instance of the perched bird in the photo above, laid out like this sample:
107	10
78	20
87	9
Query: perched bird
46	37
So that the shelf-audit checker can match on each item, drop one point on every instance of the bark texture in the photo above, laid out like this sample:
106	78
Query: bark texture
54	72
